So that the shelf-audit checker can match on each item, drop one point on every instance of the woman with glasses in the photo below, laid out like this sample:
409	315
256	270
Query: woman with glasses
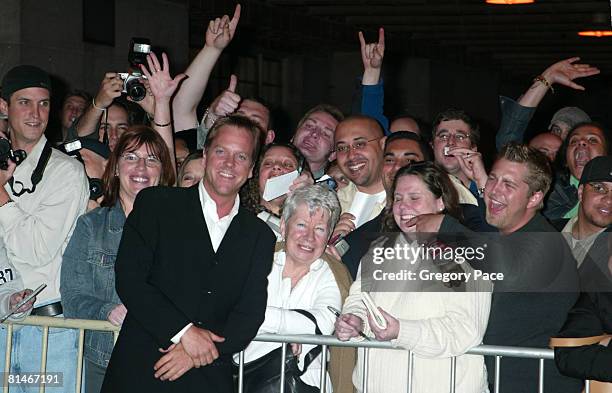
141	158
435	319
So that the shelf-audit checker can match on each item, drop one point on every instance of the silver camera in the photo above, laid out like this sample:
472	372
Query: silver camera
132	86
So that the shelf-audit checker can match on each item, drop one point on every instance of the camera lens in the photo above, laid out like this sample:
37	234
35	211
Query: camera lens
5	153
136	90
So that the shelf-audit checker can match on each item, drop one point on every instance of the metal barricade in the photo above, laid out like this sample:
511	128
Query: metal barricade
50	322
81	325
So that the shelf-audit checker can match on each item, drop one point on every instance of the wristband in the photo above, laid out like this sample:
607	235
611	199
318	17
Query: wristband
544	81
162	125
212	116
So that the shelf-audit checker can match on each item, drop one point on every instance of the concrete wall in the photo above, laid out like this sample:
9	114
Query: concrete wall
10	30
50	34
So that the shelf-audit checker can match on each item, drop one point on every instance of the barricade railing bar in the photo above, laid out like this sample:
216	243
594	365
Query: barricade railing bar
82	325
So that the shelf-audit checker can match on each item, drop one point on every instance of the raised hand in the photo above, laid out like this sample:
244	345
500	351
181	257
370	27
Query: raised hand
372	54
221	31
110	88
345	225
565	71
160	82
372	57
471	164
226	103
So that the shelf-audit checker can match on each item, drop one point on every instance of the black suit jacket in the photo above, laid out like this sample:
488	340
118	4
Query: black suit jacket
168	275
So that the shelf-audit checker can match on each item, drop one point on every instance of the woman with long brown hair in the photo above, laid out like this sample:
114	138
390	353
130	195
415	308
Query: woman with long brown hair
143	157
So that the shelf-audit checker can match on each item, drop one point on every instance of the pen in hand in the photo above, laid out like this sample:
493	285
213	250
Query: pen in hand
336	312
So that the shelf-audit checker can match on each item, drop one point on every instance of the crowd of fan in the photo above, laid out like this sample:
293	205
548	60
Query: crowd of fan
72	216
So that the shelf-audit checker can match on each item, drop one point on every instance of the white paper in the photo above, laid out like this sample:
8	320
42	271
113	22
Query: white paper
362	207
279	185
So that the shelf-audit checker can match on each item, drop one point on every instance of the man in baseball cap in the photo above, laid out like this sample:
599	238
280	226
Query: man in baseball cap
40	201
587	233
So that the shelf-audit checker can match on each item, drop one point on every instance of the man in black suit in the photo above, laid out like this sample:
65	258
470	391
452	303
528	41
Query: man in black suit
191	270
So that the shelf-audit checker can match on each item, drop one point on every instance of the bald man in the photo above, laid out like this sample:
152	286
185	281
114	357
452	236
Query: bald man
359	146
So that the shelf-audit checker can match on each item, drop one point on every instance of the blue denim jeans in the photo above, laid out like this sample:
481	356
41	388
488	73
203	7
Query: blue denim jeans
26	356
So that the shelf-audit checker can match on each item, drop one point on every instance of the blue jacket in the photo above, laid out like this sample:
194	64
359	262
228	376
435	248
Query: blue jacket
372	103
88	275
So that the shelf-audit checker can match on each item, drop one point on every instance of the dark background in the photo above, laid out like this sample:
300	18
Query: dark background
297	53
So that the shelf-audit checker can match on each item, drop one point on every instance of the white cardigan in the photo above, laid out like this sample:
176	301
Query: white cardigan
314	292
435	326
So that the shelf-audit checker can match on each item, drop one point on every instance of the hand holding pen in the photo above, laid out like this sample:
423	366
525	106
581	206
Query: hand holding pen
348	325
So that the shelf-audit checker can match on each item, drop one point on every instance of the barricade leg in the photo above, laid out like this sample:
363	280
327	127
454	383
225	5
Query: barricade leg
323	368
241	372
497	373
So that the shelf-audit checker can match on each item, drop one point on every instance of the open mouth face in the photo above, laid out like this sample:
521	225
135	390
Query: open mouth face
411	199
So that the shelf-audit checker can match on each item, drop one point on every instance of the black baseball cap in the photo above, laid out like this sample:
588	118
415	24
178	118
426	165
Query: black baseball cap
598	169
22	77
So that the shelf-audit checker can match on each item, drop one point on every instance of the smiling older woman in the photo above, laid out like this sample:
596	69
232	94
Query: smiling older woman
301	278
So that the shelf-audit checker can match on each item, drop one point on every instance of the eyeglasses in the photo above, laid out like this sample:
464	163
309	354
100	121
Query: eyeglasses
133	159
459	137
360	145
286	164
599	188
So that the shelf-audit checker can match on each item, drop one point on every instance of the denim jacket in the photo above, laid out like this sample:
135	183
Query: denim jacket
88	275
514	121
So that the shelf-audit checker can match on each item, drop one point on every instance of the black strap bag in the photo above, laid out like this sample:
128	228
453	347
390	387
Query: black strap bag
263	375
